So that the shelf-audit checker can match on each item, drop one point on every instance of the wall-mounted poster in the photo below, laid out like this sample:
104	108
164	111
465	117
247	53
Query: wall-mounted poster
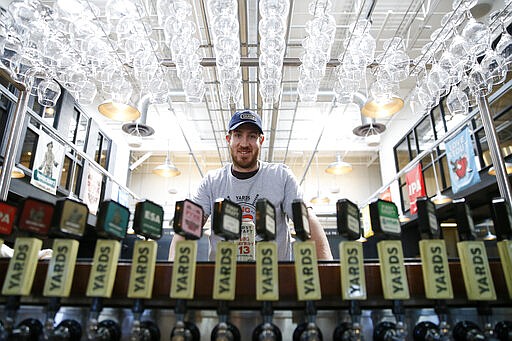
415	186
92	190
47	164
461	161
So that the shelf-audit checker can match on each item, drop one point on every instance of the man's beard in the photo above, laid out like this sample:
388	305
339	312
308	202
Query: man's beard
244	161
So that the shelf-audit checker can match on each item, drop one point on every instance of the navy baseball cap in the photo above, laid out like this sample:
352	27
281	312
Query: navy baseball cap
246	116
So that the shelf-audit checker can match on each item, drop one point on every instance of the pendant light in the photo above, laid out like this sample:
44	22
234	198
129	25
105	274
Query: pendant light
438	199
167	169
339	167
16	173
318	199
508	167
380	109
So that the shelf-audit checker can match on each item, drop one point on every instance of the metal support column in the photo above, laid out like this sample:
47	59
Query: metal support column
495	150
13	143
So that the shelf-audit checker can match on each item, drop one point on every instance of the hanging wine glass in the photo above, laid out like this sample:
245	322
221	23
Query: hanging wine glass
274	7
11	54
87	92
477	36
48	92
457	102
493	65
478	82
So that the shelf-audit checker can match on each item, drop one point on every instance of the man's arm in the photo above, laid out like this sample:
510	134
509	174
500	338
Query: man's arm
323	250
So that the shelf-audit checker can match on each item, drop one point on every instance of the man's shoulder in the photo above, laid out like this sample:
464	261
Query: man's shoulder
276	168
218	172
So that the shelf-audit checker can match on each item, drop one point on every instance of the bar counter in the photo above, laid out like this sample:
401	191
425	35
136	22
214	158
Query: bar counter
246	287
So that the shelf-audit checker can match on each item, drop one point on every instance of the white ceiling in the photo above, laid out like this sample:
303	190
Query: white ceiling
298	129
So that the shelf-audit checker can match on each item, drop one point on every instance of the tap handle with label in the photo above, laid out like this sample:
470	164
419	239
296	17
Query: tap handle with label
147	222
227	219
111	225
502	219
465	225
267	286
301	220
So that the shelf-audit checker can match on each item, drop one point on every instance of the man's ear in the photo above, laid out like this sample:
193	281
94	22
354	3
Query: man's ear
262	138
228	138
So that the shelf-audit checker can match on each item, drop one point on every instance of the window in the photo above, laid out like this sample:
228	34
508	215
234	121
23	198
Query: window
5	107
102	150
434	126
78	129
71	174
402	154
28	149
425	134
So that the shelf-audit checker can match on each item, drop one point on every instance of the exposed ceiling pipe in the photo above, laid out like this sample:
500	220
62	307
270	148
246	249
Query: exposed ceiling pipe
187	142
139	129
139	161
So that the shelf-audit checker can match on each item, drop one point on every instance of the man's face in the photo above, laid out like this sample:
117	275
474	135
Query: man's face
245	144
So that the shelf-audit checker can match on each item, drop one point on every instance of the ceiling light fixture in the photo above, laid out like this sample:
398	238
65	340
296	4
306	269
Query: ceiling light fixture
119	111
16	172
438	199
404	218
319	199
508	167
381	109
167	169
339	167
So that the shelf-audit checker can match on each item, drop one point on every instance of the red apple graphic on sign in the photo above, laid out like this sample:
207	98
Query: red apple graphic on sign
460	167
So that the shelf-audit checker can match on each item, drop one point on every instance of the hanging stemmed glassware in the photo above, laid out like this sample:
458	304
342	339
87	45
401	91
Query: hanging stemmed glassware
457	101
504	46
317	47
272	47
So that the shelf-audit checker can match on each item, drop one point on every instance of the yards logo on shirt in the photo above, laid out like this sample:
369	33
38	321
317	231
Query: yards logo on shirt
248	206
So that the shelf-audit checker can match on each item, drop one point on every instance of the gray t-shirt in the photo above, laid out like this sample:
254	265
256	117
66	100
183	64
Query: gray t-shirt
273	181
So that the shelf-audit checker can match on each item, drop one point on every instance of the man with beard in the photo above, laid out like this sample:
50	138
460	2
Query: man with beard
248	179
